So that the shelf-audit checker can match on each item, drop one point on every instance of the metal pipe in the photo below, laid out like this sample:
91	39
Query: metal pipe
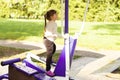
10	62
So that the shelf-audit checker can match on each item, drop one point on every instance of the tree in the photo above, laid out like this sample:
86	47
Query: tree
99	10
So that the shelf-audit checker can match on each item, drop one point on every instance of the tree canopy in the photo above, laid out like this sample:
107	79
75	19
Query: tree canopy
99	10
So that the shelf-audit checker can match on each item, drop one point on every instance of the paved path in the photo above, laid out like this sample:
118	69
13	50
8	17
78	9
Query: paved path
21	44
103	76
78	64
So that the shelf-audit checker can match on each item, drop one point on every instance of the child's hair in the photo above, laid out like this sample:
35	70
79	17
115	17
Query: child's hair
49	14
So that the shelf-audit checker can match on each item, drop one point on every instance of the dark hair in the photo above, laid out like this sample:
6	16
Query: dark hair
49	14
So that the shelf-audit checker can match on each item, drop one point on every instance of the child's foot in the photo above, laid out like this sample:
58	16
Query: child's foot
50	73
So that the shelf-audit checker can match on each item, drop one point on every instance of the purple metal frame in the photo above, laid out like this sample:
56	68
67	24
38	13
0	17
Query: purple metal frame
61	64
73	43
60	68
5	76
66	30
34	66
25	69
10	62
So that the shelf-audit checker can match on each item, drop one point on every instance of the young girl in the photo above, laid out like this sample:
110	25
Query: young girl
50	35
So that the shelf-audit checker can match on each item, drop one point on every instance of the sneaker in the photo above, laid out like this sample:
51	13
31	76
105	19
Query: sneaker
50	73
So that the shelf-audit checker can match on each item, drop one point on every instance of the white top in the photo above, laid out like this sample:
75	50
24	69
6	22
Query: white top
51	31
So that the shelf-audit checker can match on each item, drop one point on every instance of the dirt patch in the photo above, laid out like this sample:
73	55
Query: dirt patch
9	51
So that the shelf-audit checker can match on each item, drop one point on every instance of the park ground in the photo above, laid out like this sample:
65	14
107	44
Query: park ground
96	40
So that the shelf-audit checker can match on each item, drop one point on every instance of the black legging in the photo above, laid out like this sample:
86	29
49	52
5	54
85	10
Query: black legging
51	48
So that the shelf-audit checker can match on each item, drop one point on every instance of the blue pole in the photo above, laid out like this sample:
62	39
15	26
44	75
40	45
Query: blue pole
66	16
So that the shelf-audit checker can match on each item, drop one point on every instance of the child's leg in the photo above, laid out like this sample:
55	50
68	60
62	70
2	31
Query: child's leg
50	48
48	61
49	56
54	48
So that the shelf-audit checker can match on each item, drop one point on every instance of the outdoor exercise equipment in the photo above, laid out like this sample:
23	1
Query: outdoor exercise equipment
21	71
28	70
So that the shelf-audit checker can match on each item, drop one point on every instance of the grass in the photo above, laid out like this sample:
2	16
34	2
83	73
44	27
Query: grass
95	36
20	29
100	36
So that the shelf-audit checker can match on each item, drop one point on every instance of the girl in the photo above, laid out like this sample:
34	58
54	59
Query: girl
50	35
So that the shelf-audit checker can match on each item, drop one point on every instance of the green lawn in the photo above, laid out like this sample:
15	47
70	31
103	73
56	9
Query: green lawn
96	36
105	36
20	29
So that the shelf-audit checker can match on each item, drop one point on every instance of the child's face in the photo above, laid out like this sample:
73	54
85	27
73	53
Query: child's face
54	17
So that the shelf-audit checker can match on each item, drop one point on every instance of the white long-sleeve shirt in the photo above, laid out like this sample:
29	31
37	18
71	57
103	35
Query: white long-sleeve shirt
51	31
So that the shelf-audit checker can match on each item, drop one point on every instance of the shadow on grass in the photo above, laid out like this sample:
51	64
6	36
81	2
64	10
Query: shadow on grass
107	26
112	29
